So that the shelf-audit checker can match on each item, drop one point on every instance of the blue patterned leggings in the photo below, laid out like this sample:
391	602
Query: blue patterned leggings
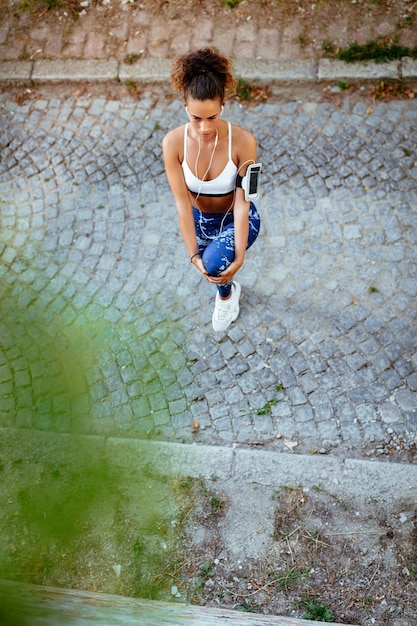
216	242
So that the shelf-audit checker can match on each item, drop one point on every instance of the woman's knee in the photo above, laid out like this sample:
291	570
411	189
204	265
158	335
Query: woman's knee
216	260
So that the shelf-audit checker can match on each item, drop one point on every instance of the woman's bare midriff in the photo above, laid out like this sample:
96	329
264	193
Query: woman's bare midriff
213	204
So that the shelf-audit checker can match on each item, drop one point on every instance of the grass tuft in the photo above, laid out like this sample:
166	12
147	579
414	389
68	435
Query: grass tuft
381	50
317	611
230	4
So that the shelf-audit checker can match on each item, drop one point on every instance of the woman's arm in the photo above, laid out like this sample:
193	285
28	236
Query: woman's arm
180	192
245	146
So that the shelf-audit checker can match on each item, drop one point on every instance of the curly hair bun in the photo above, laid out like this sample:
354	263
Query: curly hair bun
203	74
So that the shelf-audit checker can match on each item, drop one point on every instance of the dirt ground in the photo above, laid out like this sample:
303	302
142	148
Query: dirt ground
305	27
72	519
328	559
312	22
316	17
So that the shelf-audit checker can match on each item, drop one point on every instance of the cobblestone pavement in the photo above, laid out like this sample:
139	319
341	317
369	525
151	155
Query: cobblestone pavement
106	328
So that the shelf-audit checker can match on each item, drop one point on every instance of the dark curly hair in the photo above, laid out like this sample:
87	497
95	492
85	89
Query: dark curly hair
203	74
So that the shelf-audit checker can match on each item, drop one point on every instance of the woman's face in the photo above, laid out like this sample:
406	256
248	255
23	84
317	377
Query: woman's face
204	116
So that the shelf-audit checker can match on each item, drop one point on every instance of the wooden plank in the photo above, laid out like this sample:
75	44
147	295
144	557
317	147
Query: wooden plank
30	605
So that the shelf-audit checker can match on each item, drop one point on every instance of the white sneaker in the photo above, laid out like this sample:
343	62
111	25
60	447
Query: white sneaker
226	311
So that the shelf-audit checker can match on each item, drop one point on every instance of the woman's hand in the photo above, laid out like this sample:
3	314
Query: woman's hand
198	262
226	276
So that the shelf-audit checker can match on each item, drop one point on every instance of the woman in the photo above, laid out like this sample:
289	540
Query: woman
203	159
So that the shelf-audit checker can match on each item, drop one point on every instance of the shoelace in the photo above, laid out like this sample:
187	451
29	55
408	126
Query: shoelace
223	308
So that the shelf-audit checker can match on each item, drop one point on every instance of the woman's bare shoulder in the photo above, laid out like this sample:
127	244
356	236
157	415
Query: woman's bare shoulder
243	139
174	137
241	134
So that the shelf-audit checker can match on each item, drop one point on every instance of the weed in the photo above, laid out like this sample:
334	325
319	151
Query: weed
314	535
138	547
230	4
248	606
328	47
130	84
244	91
266	409
187	483
316	611
50	4
368	601
133	88
290	488
204	573
289	579
343	85
302	41
73	7
148	589
217	505
373	289
379	51
320	489
29	5
131	58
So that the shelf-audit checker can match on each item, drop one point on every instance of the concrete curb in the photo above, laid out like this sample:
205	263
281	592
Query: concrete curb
158	70
44	71
409	67
345	477
330	69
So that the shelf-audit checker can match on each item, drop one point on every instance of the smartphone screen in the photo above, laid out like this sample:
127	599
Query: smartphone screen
253	180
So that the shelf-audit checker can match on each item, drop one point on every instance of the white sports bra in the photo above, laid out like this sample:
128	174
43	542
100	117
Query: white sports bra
222	185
